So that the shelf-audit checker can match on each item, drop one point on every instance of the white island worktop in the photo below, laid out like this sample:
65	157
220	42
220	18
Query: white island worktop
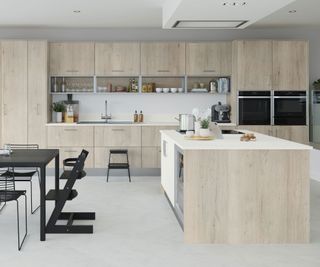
232	141
233	192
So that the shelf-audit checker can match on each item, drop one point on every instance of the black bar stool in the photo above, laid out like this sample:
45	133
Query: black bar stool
118	165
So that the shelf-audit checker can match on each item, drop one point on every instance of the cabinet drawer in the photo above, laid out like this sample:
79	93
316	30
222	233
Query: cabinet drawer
151	157
151	135
70	136
118	136
102	156
74	152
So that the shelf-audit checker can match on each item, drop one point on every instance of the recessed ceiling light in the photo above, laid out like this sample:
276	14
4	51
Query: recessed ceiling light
234	3
292	11
76	11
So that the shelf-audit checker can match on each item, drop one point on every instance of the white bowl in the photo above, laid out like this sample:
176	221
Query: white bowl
158	90
174	90
189	133
166	90
180	90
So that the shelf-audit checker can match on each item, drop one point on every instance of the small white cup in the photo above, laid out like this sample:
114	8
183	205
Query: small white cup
189	133
173	90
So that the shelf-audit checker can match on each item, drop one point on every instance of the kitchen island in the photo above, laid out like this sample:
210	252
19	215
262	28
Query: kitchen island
233	192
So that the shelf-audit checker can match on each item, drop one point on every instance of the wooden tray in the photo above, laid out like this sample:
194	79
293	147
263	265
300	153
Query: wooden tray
199	138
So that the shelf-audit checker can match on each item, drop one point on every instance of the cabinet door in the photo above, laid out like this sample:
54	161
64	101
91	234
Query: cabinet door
71	59
299	134
290	65
253	65
118	136
15	91
151	157
102	156
37	92
263	129
117	59
211	58
151	134
70	136
163	59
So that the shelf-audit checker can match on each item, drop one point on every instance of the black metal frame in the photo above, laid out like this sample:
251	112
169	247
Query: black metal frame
62	197
118	165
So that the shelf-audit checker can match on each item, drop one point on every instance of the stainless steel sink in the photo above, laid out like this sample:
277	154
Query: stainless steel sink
104	122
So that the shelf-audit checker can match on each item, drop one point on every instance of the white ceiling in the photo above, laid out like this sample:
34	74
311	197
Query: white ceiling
135	13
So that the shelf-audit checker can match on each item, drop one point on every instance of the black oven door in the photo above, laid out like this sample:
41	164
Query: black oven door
290	111
254	110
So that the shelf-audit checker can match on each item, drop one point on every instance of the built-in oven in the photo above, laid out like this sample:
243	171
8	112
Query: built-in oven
254	107
289	108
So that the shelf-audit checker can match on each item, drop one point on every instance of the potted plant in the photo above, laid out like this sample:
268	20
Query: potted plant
204	130
316	84
58	108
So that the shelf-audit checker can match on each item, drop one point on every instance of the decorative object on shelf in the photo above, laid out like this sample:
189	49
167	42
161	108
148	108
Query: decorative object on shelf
204	130
63	86
316	84
133	86
58	108
223	85
159	90
213	85
173	90
166	90
55	85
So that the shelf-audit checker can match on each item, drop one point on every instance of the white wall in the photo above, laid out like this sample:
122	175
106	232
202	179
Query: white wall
169	105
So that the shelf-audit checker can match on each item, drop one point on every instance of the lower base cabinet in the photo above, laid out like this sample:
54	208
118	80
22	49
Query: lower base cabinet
299	134
151	157
102	156
74	152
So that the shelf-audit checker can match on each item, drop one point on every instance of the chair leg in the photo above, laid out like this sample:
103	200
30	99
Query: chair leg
108	175
3	205
129	175
31	197
18	223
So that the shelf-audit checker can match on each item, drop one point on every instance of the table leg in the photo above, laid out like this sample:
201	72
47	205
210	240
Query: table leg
43	203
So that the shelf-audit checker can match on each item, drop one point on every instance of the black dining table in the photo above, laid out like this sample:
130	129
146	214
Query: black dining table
36	158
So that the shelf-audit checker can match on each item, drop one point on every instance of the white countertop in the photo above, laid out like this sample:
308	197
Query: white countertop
131	124
232	142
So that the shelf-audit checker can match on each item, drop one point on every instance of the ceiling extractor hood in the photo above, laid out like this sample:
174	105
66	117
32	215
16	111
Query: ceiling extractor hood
217	14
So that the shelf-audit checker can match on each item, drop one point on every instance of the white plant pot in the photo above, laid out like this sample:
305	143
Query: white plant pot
197	128
204	132
58	117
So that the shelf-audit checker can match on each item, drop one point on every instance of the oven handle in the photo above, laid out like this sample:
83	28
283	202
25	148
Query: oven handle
255	97
290	97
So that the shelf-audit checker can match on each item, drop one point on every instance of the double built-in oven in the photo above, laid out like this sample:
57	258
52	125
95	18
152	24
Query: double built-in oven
272	108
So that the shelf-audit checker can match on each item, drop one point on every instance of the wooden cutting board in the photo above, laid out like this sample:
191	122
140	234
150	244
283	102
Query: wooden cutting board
199	138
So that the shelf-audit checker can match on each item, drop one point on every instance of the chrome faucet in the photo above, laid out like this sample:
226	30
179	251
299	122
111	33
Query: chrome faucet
106	117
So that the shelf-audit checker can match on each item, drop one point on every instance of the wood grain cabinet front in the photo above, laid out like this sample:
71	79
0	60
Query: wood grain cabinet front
209	58
151	157
151	135
125	136
71	59
163	58
117	59
102	156
70	136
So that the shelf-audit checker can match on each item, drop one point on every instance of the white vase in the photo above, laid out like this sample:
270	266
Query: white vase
197	128
59	117
204	132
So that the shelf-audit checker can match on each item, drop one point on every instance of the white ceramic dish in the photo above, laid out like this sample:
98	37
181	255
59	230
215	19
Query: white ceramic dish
159	90
180	90
174	90
166	90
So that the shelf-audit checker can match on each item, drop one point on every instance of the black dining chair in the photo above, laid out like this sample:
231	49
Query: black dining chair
9	193
24	175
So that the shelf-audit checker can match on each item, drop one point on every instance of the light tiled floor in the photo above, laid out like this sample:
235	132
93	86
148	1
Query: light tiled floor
135	227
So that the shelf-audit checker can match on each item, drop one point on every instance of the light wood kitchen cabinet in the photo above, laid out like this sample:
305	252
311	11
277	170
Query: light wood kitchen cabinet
151	157
299	134
290	65
70	136
37	92
126	136
163	58
117	59
263	129
15	91
209	59
102	156
71	59
74	152
151	135
253	64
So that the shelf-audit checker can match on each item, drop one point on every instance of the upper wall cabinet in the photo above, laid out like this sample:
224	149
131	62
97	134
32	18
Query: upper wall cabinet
290	65
117	59
71	59
209	59
253	64
163	58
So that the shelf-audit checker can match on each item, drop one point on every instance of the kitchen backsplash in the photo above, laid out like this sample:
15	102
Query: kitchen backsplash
156	108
